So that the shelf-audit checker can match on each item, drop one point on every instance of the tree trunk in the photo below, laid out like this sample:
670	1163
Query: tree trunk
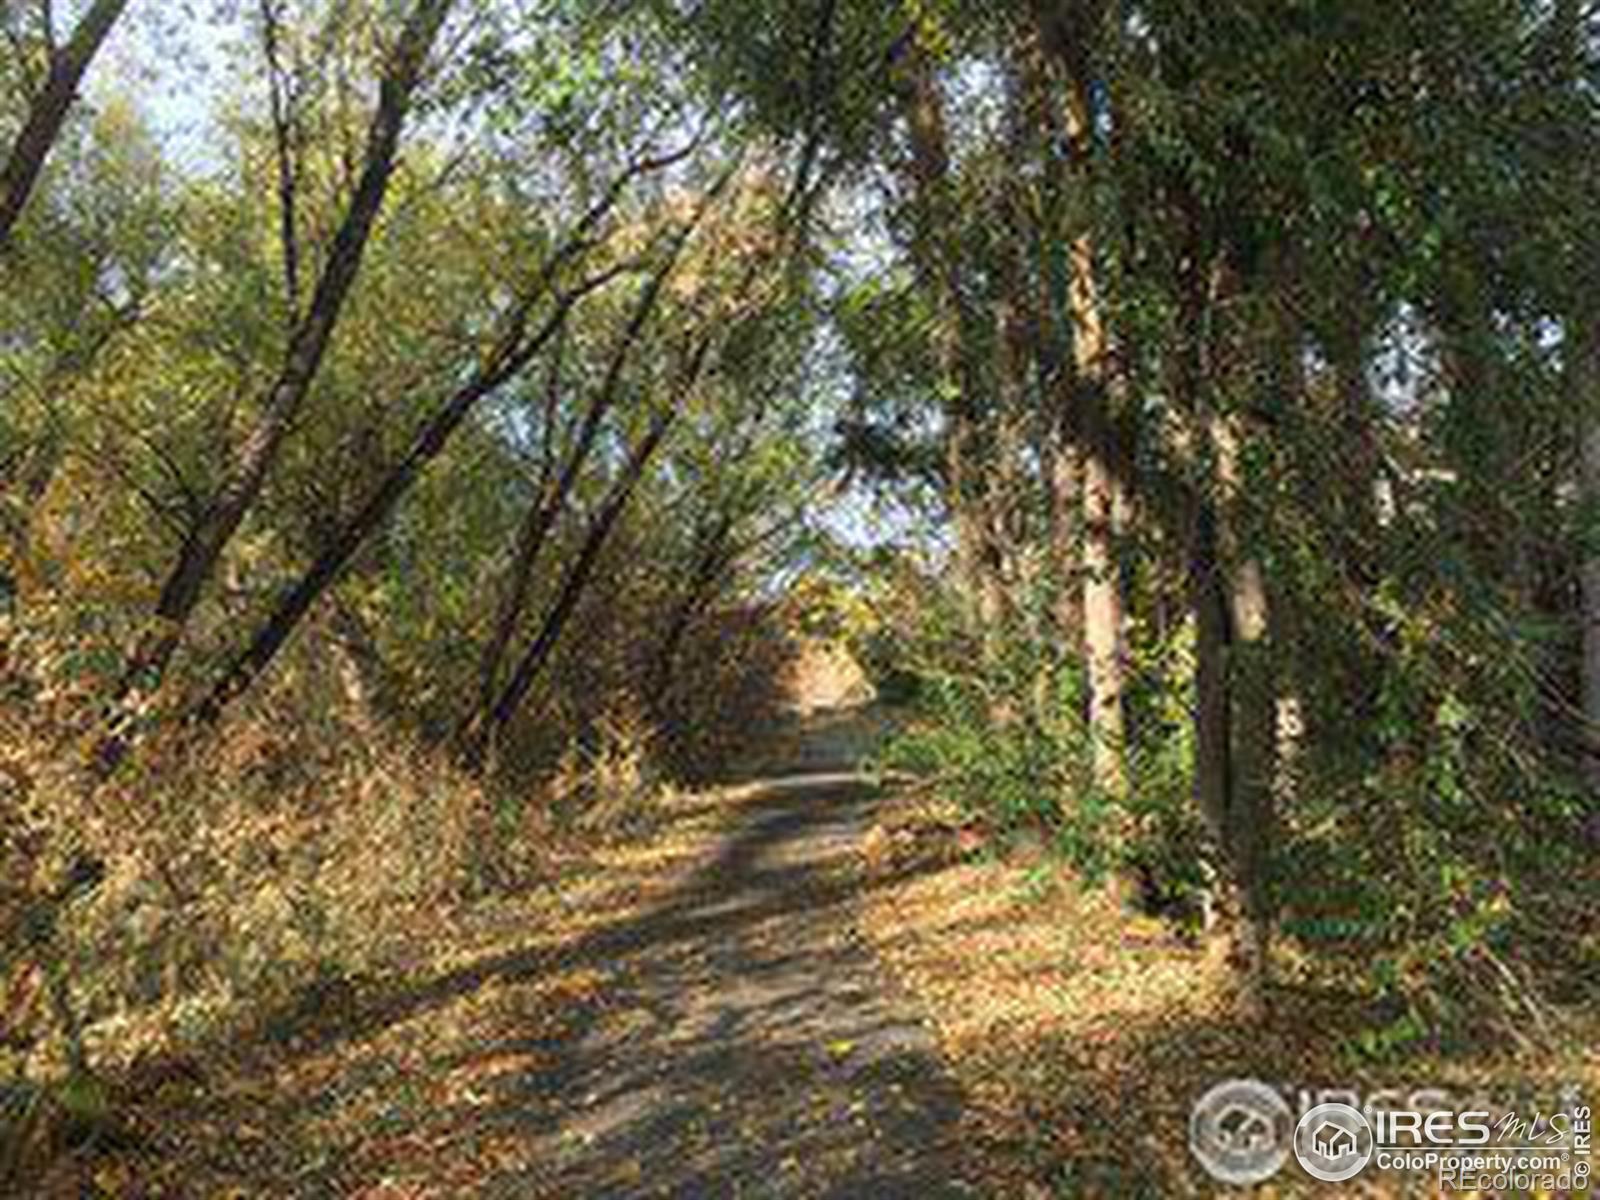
1213	767
480	738
1586	369
514	350
48	111
1062	464
1060	457
1102	623
551	501
1357	515
1253	722
198	557
285	139
937	252
711	561
1236	711
1066	510
353	533
1065	33
1287	377
1100	385
1236	730
534	659
1005	492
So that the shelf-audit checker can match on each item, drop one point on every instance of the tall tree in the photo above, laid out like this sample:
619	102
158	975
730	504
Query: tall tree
203	547
936	249
1069	35
47	113
519	344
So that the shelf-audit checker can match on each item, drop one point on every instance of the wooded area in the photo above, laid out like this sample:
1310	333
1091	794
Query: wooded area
429	430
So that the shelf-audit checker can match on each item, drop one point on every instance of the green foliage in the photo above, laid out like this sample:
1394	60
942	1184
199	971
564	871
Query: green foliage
1343	257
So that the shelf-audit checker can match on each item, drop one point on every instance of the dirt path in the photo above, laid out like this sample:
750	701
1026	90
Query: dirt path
689	1014
750	1045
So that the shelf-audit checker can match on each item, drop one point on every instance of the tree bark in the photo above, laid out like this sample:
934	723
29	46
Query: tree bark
1100	385
936	251
1252	731
198	557
480	741
48	111
1103	618
1586	368
1236	709
208	539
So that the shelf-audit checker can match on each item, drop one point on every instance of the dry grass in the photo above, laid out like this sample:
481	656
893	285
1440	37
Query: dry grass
1082	1038
386	1085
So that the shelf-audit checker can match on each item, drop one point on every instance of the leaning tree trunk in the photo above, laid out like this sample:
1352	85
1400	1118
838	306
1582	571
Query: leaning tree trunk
551	500
48	112
481	741
478	741
352	534
203	548
512	353
711	561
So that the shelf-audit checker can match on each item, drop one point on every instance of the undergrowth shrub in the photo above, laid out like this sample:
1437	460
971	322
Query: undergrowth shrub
1429	864
314	833
236	870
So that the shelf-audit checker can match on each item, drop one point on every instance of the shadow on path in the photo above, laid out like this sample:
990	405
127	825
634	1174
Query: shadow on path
748	1042
752	1045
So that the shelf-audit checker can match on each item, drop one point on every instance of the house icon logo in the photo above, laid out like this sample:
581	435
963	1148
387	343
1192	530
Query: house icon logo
1333	1142
1243	1128
1240	1131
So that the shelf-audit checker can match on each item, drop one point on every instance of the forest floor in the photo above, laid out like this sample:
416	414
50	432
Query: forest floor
796	985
